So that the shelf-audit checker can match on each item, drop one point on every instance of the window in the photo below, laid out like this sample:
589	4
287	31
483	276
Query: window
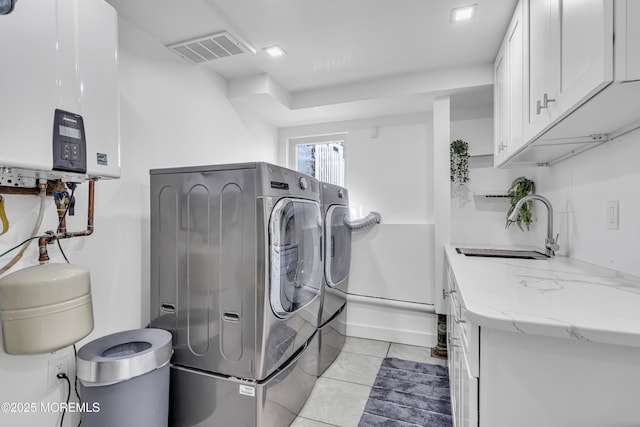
321	157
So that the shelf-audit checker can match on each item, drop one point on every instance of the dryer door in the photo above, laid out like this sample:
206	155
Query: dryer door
338	247
295	231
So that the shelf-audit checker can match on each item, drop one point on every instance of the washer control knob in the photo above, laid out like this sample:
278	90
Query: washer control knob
303	182
341	194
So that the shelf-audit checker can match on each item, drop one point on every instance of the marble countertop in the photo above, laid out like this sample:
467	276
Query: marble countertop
559	297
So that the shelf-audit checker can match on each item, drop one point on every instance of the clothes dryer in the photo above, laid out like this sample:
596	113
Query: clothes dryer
337	263
236	274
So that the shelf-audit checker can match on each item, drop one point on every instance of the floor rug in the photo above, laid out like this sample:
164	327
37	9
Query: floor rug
408	394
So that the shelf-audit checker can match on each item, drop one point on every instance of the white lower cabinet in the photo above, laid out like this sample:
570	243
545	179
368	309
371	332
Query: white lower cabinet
453	356
508	379
463	357
469	396
532	381
464	386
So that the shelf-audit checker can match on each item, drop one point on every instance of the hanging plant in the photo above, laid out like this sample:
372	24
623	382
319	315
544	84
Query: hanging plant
521	187
459	154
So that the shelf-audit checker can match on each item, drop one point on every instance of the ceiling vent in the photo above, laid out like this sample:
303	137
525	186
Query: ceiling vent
211	47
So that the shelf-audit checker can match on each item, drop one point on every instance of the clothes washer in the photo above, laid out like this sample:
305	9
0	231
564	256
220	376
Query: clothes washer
332	329
236	274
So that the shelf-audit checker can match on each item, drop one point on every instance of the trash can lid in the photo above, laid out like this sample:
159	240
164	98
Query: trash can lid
123	355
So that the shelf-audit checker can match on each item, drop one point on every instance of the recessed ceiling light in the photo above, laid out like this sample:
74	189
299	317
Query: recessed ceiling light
463	13
274	50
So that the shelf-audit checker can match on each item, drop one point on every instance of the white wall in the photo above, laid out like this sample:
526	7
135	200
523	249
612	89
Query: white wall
579	189
477	131
173	114
477	220
388	170
388	173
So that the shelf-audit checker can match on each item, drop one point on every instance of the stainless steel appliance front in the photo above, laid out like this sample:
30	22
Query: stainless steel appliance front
235	265
208	400
337	263
337	259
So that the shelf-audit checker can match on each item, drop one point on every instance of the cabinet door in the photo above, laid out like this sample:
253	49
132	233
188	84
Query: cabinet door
569	58
540	64
500	96
456	382
633	41
455	366
450	349
515	78
508	72
585	32
469	395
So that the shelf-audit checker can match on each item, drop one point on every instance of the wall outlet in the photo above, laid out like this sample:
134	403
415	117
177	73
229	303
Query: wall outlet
59	364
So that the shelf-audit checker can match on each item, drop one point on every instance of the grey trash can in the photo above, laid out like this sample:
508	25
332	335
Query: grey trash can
124	379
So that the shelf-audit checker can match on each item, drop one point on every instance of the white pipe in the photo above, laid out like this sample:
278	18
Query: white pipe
34	232
391	303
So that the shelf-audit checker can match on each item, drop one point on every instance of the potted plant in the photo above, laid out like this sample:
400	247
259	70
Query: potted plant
521	187
459	155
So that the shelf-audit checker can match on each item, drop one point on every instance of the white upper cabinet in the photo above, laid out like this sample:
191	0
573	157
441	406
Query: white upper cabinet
500	106
586	50
541	65
571	98
515	53
570	56
627	51
508	90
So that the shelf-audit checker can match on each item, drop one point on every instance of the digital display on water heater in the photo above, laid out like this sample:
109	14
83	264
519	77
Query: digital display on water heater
69	144
69	132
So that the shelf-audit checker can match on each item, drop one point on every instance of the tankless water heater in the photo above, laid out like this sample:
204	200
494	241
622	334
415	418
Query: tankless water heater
59	102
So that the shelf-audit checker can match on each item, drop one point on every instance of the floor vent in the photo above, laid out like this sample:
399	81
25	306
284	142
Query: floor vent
210	48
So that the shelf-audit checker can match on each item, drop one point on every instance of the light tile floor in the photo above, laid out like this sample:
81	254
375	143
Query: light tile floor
340	395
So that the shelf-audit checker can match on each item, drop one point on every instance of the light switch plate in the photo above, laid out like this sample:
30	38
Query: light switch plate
613	215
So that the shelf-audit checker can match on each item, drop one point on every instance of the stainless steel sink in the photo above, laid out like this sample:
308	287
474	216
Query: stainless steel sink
502	253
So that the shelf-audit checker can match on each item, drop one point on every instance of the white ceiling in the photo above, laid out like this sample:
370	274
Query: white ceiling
346	59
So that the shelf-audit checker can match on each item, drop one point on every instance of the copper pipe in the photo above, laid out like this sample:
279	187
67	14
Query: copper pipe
61	207
31	191
62	227
90	209
42	246
44	241
27	191
42	250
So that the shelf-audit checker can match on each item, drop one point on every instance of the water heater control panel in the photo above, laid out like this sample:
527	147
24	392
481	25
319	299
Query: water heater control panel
69	143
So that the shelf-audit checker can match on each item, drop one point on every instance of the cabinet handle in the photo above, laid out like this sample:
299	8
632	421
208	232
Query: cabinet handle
446	293
167	307
502	147
451	342
544	103
459	321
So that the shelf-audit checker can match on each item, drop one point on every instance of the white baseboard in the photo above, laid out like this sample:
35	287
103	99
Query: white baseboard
391	320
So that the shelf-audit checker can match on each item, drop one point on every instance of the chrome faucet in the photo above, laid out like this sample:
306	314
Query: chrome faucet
551	243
